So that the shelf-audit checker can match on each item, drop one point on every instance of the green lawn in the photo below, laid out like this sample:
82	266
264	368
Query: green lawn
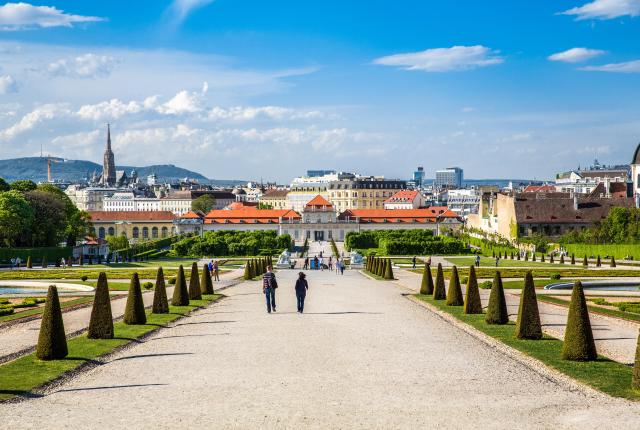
39	310
603	374
488	261
616	313
22	376
565	272
539	283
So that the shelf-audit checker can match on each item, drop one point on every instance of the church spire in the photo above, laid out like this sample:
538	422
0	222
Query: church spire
108	137
108	165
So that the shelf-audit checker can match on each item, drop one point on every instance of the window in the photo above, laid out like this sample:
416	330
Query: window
165	232
112	231
136	232
101	233
145	232
154	232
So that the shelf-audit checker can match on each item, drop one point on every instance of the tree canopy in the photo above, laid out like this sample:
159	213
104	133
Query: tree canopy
621	226
203	204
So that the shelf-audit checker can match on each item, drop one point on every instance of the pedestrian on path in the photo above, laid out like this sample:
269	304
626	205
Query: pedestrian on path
269	285
338	262
342	266
315	262
321	264
413	261
216	271
330	265
306	264
477	261
301	291
497	261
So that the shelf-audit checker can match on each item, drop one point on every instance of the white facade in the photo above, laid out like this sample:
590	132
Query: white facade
88	198
449	177
584	181
463	202
127	201
178	206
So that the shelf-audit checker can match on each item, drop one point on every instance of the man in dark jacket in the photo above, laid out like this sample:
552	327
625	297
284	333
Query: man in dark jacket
301	291
269	285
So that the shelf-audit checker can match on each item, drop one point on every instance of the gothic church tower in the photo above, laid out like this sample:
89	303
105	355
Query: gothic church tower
108	165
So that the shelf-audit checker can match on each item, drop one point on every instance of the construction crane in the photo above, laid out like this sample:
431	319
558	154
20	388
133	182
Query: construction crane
49	161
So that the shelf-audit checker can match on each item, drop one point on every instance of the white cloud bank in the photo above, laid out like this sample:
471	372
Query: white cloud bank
8	84
625	67
20	16
84	66
455	58
576	55
605	9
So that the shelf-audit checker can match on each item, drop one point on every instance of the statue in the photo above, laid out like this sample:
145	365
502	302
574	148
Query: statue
357	261
284	261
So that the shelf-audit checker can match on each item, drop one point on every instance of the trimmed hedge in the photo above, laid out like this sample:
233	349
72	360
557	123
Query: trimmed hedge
404	242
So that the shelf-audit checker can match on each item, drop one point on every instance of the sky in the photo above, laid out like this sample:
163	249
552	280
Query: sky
249	89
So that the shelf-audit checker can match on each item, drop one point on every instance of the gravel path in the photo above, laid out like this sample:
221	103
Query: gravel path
362	356
17	339
615	338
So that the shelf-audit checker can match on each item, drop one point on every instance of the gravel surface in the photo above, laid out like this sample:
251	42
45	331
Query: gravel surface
362	356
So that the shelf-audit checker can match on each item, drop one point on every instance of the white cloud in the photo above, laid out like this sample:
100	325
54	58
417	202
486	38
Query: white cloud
8	84
444	59
114	109
625	67
183	102
179	10
605	9
32	119
83	66
17	16
576	55
241	113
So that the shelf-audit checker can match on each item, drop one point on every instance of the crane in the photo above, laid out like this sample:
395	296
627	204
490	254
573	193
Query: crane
49	161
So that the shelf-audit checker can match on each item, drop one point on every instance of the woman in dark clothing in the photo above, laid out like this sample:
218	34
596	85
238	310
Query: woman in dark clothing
301	290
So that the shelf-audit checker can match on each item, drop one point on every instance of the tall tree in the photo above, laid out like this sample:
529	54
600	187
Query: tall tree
50	218
16	218
203	204
23	185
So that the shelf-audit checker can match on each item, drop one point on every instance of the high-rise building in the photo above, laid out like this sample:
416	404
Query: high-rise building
318	173
451	177
418	177
108	165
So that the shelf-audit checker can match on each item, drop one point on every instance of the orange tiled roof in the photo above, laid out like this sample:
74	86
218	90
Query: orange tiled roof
249	215
539	189
141	216
431	214
192	215
241	205
319	201
403	196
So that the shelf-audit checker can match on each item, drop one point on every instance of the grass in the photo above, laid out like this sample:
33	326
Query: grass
539	283
617	251
565	272
374	276
20	377
603	374
616	313
488	261
39	310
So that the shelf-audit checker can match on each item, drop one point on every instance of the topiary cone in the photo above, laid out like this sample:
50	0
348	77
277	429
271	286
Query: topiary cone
388	270
573	258
578	338
526	256
562	259
194	283
205	281
542	258
613	262
534	257
472	302
180	292
44	262
598	262
439	292
382	268
29	263
160	301
52	341
551	259
426	287
247	274
454	293
585	262
528	324
518	256
497	309
134	313
635	375
101	323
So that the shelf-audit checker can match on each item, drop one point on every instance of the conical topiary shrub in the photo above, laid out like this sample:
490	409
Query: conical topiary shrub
551	259
57	264
382	267
526	256
497	309
542	258
205	281
613	262
518	256
598	262
44	262
573	258
134	313
160	300
561	258
578	338
439	292
528	325
29	263
533	258
585	262
180	292
52	341
454	293
426	286
472	302
635	376
101	323
194	283
247	272
388	270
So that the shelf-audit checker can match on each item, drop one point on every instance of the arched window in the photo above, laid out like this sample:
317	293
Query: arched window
112	231
101	233
145	232
136	232
154	232
165	231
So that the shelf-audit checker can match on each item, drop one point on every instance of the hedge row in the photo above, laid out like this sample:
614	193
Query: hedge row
617	251
37	254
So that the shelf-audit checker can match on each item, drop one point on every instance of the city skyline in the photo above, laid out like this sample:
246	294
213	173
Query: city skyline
235	88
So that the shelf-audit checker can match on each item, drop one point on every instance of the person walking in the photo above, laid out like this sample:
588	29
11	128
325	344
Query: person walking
306	264
216	271
477	261
338	261
210	267
269	285
330	265
63	263
321	264
413	261
301	291
497	261
315	262
342	266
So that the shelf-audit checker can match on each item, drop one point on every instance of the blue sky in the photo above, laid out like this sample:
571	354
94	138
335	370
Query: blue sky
249	89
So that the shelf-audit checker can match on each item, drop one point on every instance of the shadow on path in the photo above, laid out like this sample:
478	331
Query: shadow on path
151	355
112	387
191	335
204	322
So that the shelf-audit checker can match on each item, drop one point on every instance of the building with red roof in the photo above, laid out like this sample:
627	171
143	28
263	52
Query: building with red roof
405	199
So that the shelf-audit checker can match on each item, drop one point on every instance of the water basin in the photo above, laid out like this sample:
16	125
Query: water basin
597	286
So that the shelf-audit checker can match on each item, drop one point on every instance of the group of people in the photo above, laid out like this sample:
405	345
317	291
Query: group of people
270	284
214	270
317	263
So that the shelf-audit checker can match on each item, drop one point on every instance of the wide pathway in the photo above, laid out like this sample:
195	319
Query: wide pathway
362	356
21	338
615	338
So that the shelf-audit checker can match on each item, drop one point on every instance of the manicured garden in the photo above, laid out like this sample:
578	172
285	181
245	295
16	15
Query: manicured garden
402	242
